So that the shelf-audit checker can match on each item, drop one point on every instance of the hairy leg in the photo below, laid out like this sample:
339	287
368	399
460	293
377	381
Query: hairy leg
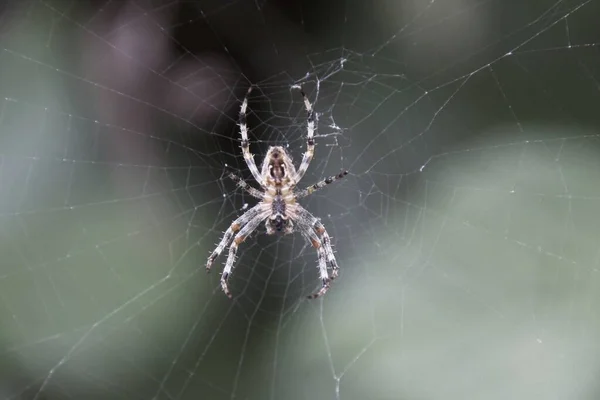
228	235
321	184
312	229
239	238
310	141
245	186
248	157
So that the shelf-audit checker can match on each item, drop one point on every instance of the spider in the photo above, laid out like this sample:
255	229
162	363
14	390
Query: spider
277	206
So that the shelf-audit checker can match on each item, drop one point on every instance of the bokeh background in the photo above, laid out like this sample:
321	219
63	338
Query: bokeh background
467	230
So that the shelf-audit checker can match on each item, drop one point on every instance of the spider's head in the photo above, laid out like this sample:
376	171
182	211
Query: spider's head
279	224
277	167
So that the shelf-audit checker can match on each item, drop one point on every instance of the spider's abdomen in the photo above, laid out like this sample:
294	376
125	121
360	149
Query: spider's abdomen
279	223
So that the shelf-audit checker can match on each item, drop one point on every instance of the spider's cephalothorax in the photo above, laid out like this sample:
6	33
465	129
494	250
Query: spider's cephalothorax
277	168
278	207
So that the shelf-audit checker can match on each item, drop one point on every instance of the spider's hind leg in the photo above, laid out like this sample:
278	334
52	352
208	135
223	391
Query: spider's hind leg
315	233
228	235
237	240
310	234
329	256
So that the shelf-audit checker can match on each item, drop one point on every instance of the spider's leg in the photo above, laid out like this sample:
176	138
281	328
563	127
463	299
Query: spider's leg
319	185
330	257
307	225
233	228
248	157
310	141
249	189
312	237
237	240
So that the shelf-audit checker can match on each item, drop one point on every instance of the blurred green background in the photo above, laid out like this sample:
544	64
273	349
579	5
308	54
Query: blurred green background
467	230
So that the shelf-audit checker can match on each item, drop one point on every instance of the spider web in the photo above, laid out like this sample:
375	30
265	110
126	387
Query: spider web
466	232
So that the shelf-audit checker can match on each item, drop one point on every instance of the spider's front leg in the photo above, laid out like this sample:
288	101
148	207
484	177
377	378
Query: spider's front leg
310	138
248	157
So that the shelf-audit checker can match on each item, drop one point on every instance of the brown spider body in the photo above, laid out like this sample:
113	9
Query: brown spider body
278	205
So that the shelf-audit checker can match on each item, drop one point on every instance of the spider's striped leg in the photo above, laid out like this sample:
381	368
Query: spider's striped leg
249	189
312	237
233	228
313	188
239	238
329	256
307	225
310	141
248	157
